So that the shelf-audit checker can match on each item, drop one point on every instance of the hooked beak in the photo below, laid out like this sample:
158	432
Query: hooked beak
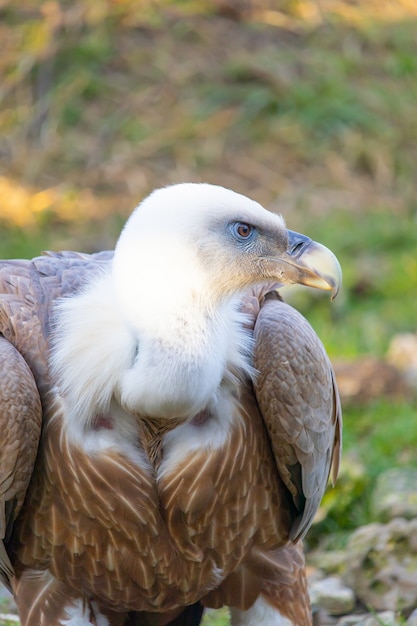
307	262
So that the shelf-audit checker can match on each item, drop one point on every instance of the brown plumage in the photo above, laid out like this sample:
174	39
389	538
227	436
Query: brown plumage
136	518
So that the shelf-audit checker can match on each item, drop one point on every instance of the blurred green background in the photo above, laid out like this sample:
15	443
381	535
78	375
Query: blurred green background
308	106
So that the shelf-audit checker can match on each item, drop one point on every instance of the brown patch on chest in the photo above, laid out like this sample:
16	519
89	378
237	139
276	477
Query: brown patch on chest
151	435
102	421
202	417
153	430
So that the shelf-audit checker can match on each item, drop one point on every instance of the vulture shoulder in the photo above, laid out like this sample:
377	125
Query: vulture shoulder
298	398
28	290
20	423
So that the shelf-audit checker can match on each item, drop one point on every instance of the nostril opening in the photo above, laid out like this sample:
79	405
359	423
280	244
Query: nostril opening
297	243
297	247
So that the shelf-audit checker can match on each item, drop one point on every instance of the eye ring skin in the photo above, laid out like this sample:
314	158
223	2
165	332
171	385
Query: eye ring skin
242	230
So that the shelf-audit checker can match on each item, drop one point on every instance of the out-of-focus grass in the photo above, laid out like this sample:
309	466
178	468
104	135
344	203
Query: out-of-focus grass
374	431
6	609
376	438
377	253
216	618
111	100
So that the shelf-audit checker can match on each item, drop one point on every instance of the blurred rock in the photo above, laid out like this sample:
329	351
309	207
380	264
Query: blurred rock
329	562
7	604
412	618
350	620
386	618
382	565
332	595
395	495
363	380
402	353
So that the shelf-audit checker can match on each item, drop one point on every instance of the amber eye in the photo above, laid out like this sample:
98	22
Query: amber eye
243	230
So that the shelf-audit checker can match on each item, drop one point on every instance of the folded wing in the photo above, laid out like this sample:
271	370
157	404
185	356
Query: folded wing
299	402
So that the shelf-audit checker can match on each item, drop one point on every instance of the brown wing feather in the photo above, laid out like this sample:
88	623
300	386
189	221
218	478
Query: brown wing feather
98	513
288	591
235	507
27	292
299	402
20	424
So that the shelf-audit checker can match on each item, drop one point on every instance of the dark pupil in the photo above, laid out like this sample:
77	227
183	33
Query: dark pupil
244	230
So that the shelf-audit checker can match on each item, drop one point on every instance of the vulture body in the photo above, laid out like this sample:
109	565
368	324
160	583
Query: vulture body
168	423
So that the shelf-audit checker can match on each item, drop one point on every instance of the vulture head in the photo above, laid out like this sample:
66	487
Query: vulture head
181	265
206	243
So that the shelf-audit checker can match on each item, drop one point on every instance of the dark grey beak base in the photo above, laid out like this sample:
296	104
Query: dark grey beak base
314	264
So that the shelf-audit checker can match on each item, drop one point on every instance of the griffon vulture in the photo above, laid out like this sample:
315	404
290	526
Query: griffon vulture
167	423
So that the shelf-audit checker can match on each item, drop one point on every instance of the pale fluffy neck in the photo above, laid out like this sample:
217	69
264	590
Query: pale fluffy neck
170	369
188	341
182	362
